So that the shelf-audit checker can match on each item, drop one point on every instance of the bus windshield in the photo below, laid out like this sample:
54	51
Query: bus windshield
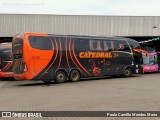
6	60
150	60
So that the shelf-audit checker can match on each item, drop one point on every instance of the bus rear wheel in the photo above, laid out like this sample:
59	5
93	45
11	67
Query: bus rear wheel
128	72
74	76
60	77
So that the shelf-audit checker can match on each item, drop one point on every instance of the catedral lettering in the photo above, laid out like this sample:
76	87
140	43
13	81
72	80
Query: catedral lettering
95	55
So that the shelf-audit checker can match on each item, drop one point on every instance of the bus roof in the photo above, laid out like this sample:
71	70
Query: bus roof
76	36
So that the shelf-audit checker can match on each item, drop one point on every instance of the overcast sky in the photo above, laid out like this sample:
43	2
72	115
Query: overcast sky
82	7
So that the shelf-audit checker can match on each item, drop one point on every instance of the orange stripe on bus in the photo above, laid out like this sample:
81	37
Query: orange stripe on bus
78	60
141	51
67	54
60	53
72	58
52	56
5	66
9	65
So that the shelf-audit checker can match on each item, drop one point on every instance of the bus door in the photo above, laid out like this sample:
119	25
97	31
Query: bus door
138	63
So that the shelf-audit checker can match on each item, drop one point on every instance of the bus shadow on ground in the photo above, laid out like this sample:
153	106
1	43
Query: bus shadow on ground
41	83
149	73
7	79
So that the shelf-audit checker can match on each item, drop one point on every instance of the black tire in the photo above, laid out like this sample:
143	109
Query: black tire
74	76
60	77
128	72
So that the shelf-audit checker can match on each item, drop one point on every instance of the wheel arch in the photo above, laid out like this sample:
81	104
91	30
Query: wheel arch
75	69
64	70
128	67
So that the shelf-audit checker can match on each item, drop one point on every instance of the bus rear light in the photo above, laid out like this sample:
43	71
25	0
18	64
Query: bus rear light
25	67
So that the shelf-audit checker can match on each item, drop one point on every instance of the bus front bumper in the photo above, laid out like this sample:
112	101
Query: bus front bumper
6	74
18	77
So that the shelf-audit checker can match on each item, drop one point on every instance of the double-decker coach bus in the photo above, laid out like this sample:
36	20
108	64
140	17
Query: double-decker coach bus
6	60
150	62
46	57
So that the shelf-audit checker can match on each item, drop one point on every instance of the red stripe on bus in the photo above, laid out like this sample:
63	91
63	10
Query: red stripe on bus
6	66
72	58
9	65
53	54
78	60
67	54
60	53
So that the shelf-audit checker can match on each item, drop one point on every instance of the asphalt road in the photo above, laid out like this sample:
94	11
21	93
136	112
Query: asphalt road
140	92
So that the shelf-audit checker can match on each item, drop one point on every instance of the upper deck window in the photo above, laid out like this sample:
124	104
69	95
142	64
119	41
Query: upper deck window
40	42
102	45
122	45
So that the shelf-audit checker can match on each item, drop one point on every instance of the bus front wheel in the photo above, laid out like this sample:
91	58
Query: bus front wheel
128	72
74	76
60	77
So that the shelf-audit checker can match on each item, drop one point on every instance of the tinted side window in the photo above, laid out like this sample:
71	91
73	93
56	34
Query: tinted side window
6	54
82	45
6	51
102	45
96	45
40	42
109	45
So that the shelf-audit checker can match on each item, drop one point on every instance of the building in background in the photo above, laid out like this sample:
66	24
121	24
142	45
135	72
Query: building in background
140	28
